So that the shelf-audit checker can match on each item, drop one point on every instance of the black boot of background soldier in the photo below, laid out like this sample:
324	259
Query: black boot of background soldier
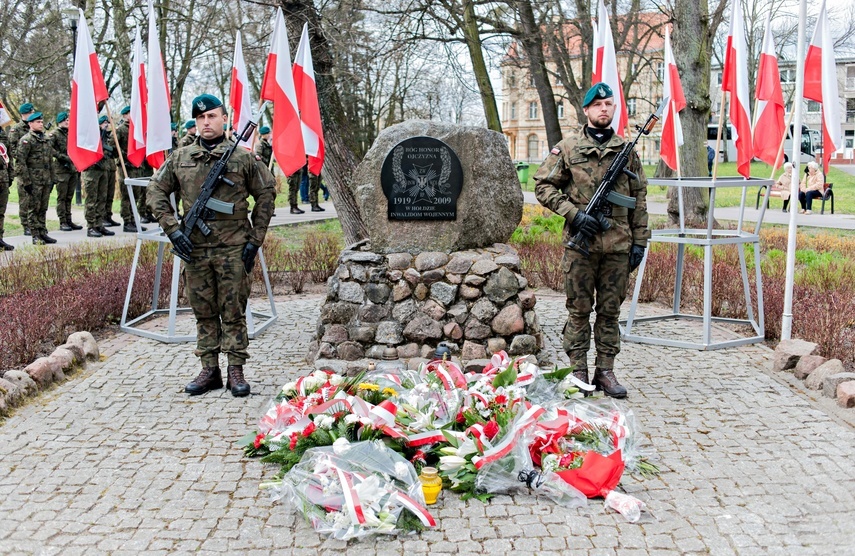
209	379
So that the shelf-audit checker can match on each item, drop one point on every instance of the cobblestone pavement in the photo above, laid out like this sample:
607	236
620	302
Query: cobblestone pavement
120	460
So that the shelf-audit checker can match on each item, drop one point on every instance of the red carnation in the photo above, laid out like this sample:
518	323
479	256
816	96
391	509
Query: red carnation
310	428
491	429
501	399
418	456
257	441
460	417
293	443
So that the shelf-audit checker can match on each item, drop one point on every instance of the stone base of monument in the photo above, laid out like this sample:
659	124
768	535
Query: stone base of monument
475	301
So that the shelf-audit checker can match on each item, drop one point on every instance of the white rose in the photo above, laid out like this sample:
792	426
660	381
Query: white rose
320	375
351	418
341	445
290	387
335	380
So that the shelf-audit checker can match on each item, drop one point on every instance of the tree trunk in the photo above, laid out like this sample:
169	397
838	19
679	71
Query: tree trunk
692	49
340	160
482	75
532	42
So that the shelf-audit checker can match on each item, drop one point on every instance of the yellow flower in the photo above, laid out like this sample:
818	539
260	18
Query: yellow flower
368	386
389	392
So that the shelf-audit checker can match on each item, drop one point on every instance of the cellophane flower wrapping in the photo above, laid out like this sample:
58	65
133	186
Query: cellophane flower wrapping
350	490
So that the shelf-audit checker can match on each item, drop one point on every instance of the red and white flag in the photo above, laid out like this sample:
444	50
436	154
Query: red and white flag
597	62
5	118
672	129
139	98
278	87
735	80
158	136
87	90
821	85
607	60
307	101
239	92
769	126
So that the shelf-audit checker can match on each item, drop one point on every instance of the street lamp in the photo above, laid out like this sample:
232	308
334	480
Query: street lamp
70	16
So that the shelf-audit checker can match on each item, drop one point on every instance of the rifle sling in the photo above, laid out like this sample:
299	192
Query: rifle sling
616	210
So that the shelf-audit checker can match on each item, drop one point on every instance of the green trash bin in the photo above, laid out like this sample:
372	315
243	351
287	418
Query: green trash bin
522	172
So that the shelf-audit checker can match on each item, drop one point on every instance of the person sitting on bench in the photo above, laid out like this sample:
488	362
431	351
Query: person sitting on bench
811	187
782	186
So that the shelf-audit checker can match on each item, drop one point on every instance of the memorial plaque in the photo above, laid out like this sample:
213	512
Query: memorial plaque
421	179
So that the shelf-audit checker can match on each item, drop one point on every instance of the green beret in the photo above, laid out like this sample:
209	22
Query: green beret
61	117
34	116
599	90
264	130
189	124
125	110
102	119
26	108
174	126
203	103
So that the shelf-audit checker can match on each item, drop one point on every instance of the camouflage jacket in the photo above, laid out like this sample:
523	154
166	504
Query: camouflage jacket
18	130
123	132
34	160
187	140
570	175
185	171
58	139
265	150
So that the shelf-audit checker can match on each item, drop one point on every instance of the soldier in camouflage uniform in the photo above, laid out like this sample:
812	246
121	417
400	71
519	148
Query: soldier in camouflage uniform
5	181
190	134
19	130
67	176
34	166
112	166
264	150
122	133
218	280
95	183
566	181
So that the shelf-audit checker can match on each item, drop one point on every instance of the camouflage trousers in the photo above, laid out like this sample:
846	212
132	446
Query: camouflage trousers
111	194
4	197
294	187
314	187
125	210
66	185
23	205
95	186
37	213
601	277
218	288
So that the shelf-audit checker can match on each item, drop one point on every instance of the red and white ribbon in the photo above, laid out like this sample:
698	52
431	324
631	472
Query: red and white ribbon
351	499
507	444
427	437
417	509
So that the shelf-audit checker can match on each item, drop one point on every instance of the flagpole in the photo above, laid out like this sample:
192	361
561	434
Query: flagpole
116	139
679	171
787	316
718	136
783	141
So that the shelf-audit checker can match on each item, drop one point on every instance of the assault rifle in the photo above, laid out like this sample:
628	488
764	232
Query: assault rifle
606	193
205	205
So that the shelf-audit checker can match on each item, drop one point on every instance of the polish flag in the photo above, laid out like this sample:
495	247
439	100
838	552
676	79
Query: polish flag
139	98
239	92
769	125
158	120
307	100
5	118
607	59
278	87
597	62
735	80
672	129
87	90
821	85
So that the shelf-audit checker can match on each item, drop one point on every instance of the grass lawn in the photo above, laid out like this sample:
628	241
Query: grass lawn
844	187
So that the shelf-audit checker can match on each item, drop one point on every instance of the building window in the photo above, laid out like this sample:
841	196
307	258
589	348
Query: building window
788	75
660	70
532	148
630	106
559	107
813	106
531	80
532	110
850	138
512	79
513	110
718	77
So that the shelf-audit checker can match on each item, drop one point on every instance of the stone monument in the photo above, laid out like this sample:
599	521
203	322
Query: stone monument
439	202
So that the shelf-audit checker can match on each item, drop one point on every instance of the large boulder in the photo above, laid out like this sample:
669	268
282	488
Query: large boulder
489	206
816	380
788	353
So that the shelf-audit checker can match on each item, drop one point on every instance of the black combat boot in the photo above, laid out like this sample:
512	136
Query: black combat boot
93	232
74	226
131	228
105	232
109	222
209	379
46	238
297	210
65	227
235	381
605	380
318	208
5	246
27	231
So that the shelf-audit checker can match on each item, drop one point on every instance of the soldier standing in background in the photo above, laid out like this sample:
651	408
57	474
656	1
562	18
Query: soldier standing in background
314	189
67	176
5	182
218	279
189	135
19	130
110	156
94	181
566	181
122	134
34	166
265	151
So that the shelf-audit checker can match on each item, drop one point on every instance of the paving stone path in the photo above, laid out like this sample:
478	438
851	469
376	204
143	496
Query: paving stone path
120	460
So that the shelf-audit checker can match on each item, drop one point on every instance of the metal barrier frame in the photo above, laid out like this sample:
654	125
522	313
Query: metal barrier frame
265	319
708	239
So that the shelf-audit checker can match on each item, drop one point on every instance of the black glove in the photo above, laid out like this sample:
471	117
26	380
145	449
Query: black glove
636	255
248	257
181	243
585	224
604	222
28	189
